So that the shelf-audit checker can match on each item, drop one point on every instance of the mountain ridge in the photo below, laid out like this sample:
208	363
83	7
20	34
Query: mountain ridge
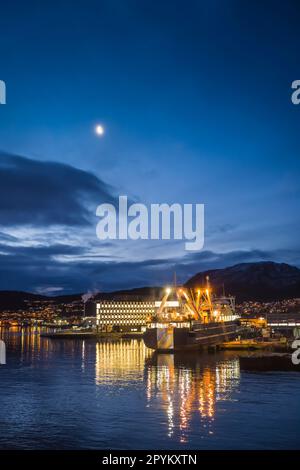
264	281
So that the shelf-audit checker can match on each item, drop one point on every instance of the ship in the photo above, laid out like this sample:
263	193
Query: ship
189	319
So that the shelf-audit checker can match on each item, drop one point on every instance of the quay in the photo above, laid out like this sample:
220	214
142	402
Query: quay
68	334
253	344
73	334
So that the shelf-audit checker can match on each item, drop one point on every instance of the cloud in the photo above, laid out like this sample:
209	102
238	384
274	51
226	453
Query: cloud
48	240
54	290
48	193
39	269
6	237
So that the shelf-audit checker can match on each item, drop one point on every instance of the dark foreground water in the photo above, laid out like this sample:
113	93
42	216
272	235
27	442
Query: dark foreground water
67	394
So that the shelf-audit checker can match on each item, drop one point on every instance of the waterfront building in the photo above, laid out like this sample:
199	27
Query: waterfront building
284	320
123	315
254	322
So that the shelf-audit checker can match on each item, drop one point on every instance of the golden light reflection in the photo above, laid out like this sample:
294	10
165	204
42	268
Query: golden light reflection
181	389
25	341
187	388
27	344
120	361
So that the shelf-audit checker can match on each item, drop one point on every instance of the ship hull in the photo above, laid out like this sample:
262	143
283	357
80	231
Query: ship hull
198	336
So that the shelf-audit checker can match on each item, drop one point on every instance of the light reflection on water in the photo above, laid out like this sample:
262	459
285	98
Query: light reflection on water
120	362
185	387
119	394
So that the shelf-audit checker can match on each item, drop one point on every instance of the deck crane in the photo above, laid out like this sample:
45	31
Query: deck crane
196	303
164	301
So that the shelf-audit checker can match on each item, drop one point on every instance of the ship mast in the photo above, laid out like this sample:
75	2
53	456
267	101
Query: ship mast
192	303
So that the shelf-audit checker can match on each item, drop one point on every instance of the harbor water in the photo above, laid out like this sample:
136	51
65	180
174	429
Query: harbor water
84	394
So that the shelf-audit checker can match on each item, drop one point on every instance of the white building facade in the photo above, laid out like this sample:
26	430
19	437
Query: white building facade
125	315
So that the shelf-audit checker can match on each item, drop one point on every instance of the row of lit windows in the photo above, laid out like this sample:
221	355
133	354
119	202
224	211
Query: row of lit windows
126	304
125	310
125	313
129	309
119	322
123	317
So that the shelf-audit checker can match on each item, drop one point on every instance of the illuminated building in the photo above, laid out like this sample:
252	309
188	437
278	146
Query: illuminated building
287	320
126	315
255	322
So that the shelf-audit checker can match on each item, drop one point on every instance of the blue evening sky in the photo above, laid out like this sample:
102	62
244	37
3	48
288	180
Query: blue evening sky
195	98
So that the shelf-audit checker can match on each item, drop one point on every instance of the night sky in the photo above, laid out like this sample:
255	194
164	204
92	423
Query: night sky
195	98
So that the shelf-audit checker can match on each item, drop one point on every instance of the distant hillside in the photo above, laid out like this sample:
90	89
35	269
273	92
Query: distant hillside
247	281
17	300
253	281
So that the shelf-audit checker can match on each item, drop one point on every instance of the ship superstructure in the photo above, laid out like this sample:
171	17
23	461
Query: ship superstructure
191	318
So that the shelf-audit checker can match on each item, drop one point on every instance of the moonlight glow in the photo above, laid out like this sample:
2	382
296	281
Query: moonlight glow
99	129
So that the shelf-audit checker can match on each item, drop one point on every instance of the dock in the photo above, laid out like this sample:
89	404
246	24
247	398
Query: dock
69	334
80	334
252	344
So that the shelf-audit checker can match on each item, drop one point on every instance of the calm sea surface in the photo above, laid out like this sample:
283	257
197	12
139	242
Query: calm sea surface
83	394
